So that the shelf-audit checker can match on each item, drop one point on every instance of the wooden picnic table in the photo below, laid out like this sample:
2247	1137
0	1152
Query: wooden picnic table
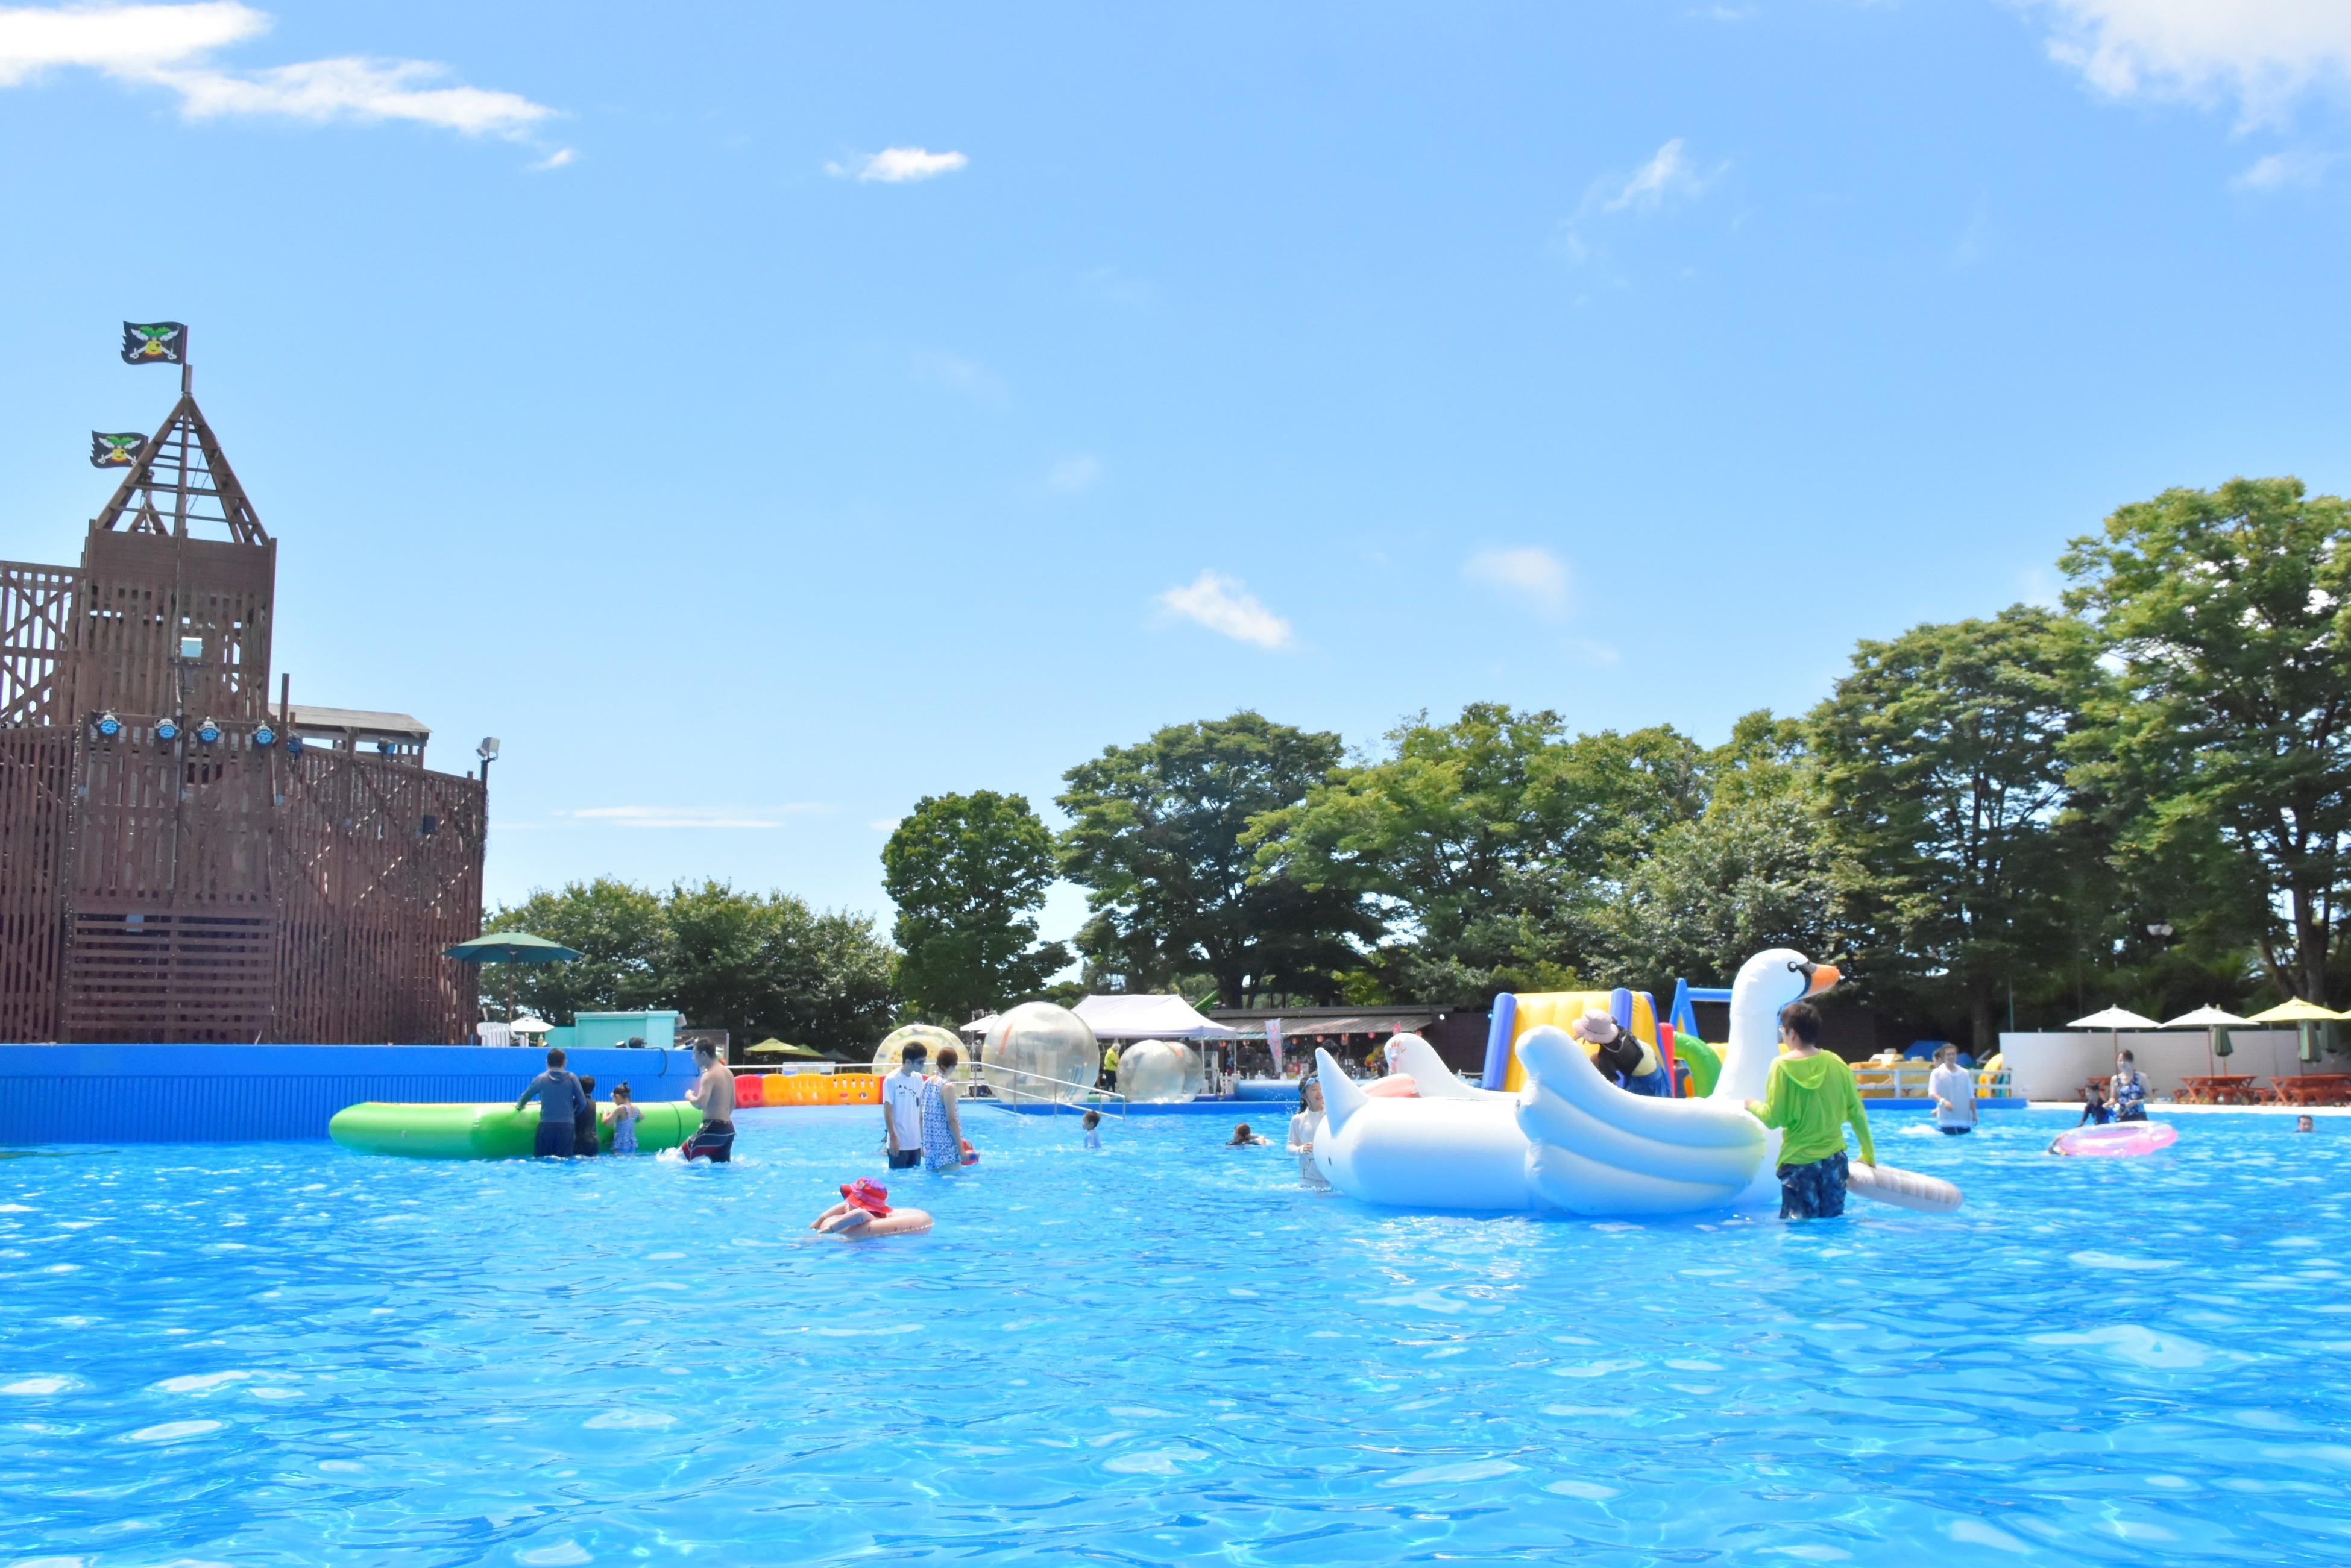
2218	1089
2314	1089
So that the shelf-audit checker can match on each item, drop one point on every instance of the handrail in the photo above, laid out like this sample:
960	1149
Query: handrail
988	1067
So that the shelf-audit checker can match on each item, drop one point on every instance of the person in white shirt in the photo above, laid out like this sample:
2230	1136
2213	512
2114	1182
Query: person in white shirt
1302	1128
902	1107
1953	1089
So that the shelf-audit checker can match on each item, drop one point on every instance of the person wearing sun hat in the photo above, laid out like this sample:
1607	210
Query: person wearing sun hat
1617	1053
864	1210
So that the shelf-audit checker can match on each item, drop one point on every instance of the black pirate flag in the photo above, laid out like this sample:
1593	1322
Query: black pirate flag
113	451
154	342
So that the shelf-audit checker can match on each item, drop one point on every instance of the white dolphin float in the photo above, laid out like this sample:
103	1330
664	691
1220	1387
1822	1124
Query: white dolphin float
1571	1140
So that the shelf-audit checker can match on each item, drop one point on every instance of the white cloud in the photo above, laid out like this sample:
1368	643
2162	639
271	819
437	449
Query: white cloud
1532	575
2282	169
885	824
168	45
960	375
2263	53
1072	475
1668	174
689	815
897	165
557	159
1225	606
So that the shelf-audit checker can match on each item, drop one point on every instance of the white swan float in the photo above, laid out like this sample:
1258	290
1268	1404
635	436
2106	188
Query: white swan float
1571	1140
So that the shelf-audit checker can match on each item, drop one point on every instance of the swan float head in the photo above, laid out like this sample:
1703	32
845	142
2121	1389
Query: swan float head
1765	983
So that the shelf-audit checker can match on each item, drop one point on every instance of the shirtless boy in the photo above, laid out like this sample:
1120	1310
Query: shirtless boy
715	1139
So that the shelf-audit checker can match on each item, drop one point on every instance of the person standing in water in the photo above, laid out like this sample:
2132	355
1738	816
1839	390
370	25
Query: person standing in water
715	1096
1810	1096
584	1140
942	1149
902	1107
559	1097
1304	1126
1953	1089
624	1116
2129	1090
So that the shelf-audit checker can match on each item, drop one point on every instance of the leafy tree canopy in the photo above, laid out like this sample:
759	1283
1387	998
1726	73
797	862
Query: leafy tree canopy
749	964
1942	760
1159	839
968	874
2230	612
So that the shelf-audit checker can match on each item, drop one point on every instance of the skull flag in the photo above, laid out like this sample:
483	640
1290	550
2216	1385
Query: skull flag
115	451
154	342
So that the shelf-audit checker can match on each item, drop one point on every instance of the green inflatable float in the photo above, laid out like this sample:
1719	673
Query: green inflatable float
487	1131
1705	1063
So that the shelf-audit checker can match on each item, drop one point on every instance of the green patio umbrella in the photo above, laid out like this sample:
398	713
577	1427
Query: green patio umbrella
510	947
773	1046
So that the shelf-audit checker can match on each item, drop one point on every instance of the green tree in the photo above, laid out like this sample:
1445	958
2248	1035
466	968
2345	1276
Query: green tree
1158	838
619	929
1942	759
2230	612
751	965
968	874
766	964
1705	894
1475	833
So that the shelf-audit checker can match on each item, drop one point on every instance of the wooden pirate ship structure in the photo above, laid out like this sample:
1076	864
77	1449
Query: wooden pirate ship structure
179	858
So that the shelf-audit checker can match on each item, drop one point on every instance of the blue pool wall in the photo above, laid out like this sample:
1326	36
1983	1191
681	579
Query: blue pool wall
238	1094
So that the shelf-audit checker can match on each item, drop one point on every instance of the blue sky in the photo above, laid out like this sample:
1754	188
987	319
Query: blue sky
759	417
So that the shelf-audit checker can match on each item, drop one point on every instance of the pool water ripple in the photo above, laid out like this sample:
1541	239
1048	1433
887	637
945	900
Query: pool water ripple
1164	1352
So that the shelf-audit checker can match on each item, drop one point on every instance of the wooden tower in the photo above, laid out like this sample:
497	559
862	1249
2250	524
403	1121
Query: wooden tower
174	864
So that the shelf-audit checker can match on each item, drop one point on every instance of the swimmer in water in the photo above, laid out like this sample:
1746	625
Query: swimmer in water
1243	1139
864	1210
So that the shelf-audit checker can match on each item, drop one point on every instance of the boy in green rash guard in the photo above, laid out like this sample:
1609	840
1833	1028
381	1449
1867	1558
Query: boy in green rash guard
1810	1097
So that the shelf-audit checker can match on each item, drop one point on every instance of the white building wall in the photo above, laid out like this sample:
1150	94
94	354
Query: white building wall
2055	1066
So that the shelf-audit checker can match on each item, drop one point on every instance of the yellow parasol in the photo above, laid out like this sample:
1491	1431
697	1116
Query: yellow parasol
2302	1015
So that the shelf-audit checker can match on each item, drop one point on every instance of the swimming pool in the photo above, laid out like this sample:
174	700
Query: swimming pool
1164	1352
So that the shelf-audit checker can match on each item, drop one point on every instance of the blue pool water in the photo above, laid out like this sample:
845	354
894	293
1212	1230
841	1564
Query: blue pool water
1164	1353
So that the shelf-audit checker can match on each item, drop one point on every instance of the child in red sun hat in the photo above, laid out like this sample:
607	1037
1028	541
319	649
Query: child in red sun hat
864	1210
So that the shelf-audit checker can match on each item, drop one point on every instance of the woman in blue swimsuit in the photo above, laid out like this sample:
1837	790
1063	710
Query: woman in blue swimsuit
942	1127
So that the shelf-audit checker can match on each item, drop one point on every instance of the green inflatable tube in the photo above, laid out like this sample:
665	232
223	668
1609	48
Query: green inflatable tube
487	1131
1705	1063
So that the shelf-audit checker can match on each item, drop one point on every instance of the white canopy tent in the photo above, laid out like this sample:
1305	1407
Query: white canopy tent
1149	1018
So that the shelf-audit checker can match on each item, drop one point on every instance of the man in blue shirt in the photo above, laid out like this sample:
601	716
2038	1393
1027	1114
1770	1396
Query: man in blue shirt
559	1100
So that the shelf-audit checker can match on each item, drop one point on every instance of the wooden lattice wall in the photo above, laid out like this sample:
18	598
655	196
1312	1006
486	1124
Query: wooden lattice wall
171	889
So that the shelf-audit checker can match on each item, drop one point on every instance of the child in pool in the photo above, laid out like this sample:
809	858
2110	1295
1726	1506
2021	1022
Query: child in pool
2095	1109
1243	1139
623	1115
864	1210
1809	1095
583	1122
1093	1124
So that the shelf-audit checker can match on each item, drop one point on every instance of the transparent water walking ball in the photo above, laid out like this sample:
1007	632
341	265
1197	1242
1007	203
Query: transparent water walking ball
1159	1072
1039	1051
933	1038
